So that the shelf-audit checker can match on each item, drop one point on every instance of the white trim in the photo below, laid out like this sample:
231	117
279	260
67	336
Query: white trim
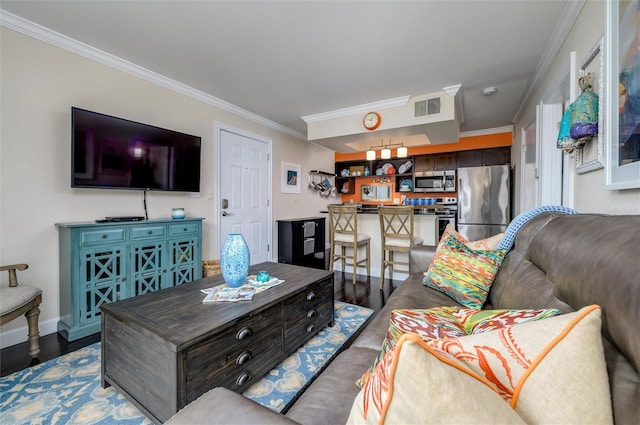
560	32
62	41
21	334
487	131
358	109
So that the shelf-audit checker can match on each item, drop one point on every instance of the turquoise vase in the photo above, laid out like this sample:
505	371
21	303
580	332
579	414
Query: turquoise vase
234	260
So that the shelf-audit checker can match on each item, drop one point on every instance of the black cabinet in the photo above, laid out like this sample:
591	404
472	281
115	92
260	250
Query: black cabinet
482	157
301	242
436	162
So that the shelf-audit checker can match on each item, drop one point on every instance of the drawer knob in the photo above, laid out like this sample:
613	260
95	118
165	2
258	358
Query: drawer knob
184	230
243	379
311	328
311	313
311	296
244	357
105	236
243	333
150	232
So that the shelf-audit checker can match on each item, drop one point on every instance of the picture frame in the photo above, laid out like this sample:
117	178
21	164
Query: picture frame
290	179
591	156
622	152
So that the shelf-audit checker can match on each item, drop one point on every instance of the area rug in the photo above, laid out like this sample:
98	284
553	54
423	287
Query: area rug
67	390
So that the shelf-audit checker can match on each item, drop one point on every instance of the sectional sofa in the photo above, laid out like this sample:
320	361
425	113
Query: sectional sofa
558	261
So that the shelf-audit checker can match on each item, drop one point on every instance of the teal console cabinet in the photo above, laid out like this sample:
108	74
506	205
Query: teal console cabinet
106	262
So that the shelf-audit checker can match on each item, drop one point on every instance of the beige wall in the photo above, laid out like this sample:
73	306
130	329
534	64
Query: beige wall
590	195
39	85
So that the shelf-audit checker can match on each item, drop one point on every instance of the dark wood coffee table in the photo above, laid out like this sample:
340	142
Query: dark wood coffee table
164	349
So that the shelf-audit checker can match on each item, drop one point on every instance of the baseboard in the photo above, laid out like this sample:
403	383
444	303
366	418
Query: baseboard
20	335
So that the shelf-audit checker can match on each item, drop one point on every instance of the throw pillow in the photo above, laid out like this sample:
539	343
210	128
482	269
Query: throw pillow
415	384
551	371
489	243
462	273
449	322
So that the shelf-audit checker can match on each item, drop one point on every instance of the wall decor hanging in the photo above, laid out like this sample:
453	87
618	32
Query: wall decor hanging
622	153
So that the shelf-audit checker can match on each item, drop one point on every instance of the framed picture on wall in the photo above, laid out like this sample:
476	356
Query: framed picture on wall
290	180
623	89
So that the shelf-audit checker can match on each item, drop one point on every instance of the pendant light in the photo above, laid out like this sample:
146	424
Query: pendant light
401	152
371	155
385	153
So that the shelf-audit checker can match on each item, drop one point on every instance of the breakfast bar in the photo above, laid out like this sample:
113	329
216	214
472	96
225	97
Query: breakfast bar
425	227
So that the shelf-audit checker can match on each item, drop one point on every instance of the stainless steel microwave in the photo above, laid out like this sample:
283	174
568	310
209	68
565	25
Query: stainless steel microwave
434	181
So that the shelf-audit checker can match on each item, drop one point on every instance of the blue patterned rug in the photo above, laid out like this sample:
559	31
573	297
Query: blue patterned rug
67	390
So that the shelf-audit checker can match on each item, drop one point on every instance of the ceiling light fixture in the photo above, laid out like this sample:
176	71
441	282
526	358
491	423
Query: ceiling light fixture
489	91
385	150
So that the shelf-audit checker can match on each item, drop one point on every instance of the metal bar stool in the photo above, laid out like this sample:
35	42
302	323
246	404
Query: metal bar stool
343	220
396	231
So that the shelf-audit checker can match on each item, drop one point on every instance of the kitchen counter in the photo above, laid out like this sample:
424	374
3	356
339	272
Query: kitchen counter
425	226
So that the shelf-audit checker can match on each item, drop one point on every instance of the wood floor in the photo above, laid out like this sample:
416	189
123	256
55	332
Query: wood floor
366	293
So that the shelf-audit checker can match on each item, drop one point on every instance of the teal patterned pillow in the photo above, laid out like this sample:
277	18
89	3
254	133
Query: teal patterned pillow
463	273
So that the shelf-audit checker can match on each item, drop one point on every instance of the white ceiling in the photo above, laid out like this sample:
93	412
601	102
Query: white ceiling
283	60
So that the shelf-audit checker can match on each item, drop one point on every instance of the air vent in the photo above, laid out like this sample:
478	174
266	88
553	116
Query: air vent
420	108
433	106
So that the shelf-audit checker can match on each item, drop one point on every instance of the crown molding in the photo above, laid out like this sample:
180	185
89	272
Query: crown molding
359	109
569	15
452	90
487	131
62	41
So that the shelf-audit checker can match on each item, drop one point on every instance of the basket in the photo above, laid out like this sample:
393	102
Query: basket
210	268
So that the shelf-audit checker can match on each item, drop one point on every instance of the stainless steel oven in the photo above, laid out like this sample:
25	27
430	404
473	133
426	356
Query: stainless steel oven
435	181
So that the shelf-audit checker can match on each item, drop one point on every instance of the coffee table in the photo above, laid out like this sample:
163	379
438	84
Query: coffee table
164	349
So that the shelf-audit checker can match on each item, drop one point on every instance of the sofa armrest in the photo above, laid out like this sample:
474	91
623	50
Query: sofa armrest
223	406
420	257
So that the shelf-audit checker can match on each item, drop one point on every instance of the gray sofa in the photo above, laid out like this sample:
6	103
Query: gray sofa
558	261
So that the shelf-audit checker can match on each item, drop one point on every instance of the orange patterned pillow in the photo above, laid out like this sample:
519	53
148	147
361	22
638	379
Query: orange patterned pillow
537	369
489	243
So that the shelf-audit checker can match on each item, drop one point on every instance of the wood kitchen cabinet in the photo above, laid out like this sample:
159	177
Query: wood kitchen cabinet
440	161
484	157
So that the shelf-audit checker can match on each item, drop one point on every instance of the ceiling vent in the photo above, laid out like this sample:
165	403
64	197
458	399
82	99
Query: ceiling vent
423	108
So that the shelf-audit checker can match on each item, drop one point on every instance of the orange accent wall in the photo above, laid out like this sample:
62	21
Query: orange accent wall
465	143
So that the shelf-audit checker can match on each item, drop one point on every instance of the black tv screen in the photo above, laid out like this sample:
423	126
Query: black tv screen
115	153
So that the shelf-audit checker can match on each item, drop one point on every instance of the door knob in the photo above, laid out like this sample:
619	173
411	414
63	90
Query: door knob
224	213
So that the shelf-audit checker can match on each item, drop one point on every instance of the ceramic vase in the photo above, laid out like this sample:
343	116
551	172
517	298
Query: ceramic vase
234	260
177	213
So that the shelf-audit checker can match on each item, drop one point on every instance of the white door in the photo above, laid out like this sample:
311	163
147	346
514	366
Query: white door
244	191
529	185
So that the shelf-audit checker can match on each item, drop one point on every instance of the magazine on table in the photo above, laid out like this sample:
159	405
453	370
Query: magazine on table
224	293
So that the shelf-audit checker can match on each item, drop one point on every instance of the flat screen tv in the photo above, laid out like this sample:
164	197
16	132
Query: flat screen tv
115	153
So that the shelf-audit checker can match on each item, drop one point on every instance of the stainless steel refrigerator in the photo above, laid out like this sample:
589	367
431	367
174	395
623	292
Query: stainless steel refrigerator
483	201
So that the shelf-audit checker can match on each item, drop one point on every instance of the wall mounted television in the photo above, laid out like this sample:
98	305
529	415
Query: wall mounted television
114	153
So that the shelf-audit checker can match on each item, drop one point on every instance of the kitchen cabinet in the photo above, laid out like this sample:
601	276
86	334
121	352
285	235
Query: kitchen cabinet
484	157
440	162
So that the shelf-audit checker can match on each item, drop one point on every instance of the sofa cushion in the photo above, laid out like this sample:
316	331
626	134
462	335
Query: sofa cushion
487	243
540	368
536	368
412	391
448	322
463	273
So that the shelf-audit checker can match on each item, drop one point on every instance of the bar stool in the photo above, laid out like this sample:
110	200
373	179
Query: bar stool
343	220
396	231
